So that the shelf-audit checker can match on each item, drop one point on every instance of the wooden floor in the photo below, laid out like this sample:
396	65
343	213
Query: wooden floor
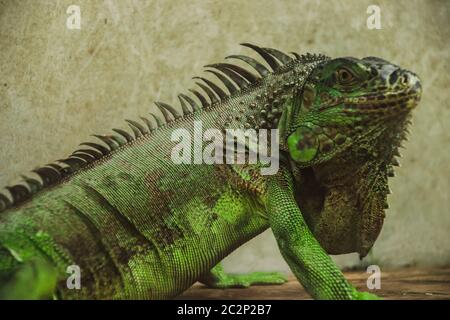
420	284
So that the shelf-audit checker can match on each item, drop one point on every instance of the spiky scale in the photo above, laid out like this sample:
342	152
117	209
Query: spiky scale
296	55
4	202
136	131
55	166
222	95
390	171
149	124
200	97
281	56
118	139
158	121
86	157
260	68
137	125
73	163
265	55
48	175
195	107
93	153
208	91
96	146
247	75
33	184
184	106
168	109
18	192
107	139
395	162
233	75
230	86
124	134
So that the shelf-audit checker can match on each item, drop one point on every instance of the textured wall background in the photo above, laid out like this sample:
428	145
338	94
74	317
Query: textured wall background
58	86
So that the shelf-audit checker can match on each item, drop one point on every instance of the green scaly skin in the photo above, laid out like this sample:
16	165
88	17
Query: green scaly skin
141	227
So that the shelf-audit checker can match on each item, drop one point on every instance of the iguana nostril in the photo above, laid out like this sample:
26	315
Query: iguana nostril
405	79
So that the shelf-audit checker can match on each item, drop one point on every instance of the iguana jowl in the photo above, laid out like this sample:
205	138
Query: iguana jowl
140	226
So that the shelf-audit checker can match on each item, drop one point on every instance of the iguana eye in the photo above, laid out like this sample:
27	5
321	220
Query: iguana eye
344	76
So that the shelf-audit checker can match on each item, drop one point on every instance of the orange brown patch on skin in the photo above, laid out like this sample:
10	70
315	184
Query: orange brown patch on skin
159	208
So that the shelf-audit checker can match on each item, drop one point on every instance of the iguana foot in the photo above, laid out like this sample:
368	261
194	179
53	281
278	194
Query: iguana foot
247	280
360	295
217	278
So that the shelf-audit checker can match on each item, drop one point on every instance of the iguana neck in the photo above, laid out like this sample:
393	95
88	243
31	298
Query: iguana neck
263	106
360	176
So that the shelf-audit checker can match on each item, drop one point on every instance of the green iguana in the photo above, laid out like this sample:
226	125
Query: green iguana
139	226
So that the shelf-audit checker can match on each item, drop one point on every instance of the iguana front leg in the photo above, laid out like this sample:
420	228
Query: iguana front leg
29	280
217	278
308	261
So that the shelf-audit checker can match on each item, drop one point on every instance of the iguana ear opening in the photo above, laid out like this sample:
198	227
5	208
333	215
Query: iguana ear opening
303	145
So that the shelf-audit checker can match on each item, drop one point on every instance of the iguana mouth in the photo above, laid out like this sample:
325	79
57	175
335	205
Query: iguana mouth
391	104
388	102
383	103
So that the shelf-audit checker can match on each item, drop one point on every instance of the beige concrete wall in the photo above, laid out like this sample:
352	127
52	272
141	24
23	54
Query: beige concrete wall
57	86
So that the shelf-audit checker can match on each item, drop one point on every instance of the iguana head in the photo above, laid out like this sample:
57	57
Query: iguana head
344	100
345	125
